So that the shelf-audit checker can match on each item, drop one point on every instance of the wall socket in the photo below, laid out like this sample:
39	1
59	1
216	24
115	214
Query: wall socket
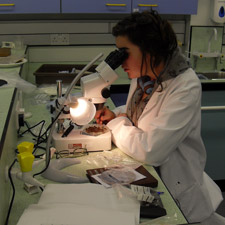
59	39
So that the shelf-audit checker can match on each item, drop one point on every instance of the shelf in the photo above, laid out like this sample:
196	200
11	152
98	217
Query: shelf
208	54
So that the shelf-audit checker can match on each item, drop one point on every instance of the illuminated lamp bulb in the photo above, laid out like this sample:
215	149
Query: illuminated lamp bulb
82	111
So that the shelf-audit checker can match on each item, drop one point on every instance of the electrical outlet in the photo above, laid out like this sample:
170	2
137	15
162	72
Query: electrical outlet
59	39
19	115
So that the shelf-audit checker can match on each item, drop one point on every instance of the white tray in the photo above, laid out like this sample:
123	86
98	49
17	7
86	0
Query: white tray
13	64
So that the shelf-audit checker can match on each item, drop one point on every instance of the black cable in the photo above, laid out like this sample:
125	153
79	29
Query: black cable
39	156
13	187
41	189
38	142
18	131
49	158
68	130
50	125
41	137
36	156
30	128
37	145
38	138
41	147
46	167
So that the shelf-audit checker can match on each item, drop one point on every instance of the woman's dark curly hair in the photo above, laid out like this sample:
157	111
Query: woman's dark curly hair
153	35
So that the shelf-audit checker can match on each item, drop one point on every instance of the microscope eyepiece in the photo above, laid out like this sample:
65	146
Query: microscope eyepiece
116	58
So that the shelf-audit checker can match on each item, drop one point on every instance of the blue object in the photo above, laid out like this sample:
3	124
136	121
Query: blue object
221	12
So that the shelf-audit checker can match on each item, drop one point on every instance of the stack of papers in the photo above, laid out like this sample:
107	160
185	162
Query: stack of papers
98	177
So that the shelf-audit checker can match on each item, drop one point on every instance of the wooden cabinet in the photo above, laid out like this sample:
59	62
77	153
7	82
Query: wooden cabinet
29	6
97	6
166	6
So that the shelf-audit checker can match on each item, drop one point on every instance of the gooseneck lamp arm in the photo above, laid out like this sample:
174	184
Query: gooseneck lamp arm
75	80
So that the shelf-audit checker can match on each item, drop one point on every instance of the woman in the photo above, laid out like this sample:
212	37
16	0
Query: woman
160	124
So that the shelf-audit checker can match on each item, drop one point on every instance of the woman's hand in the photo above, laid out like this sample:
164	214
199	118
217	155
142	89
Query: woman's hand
104	115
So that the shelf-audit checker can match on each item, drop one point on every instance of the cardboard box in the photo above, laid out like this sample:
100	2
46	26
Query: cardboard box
5	52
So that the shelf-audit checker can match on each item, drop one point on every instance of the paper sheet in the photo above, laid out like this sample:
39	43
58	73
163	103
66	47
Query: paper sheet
71	203
138	176
73	214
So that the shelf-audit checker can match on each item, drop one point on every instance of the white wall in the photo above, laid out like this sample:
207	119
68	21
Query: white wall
203	15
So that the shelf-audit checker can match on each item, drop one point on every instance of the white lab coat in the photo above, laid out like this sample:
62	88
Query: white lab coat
169	136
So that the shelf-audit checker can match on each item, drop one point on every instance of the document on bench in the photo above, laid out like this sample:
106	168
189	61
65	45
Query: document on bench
81	204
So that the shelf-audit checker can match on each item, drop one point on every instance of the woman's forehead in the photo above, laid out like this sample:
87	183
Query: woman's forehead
123	42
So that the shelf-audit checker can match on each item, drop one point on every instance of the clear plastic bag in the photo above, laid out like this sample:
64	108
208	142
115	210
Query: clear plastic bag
124	191
121	175
51	89
111	159
14	80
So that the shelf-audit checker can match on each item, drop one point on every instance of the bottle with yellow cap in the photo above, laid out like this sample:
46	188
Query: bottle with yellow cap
25	156
25	147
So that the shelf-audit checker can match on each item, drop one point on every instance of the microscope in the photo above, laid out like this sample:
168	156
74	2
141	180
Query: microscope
80	108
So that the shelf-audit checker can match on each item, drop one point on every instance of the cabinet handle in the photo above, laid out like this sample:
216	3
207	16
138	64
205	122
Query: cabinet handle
148	5
7	4
205	108
109	4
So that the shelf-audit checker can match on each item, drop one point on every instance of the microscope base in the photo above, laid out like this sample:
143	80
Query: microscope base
76	139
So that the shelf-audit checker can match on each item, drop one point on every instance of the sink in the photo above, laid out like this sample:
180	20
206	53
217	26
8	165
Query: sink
211	75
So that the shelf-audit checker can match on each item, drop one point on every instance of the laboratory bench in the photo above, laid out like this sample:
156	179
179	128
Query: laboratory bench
23	199
34	104
115	156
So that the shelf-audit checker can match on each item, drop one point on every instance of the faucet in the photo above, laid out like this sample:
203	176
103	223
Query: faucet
214	33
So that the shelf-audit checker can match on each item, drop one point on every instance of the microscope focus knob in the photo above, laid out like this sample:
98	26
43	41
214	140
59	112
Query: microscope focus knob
105	93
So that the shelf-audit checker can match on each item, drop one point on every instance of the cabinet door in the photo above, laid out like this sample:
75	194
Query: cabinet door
213	130
29	6
167	6
96	6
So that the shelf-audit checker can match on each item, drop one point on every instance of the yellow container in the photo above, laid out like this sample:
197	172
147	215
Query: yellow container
25	147
26	160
